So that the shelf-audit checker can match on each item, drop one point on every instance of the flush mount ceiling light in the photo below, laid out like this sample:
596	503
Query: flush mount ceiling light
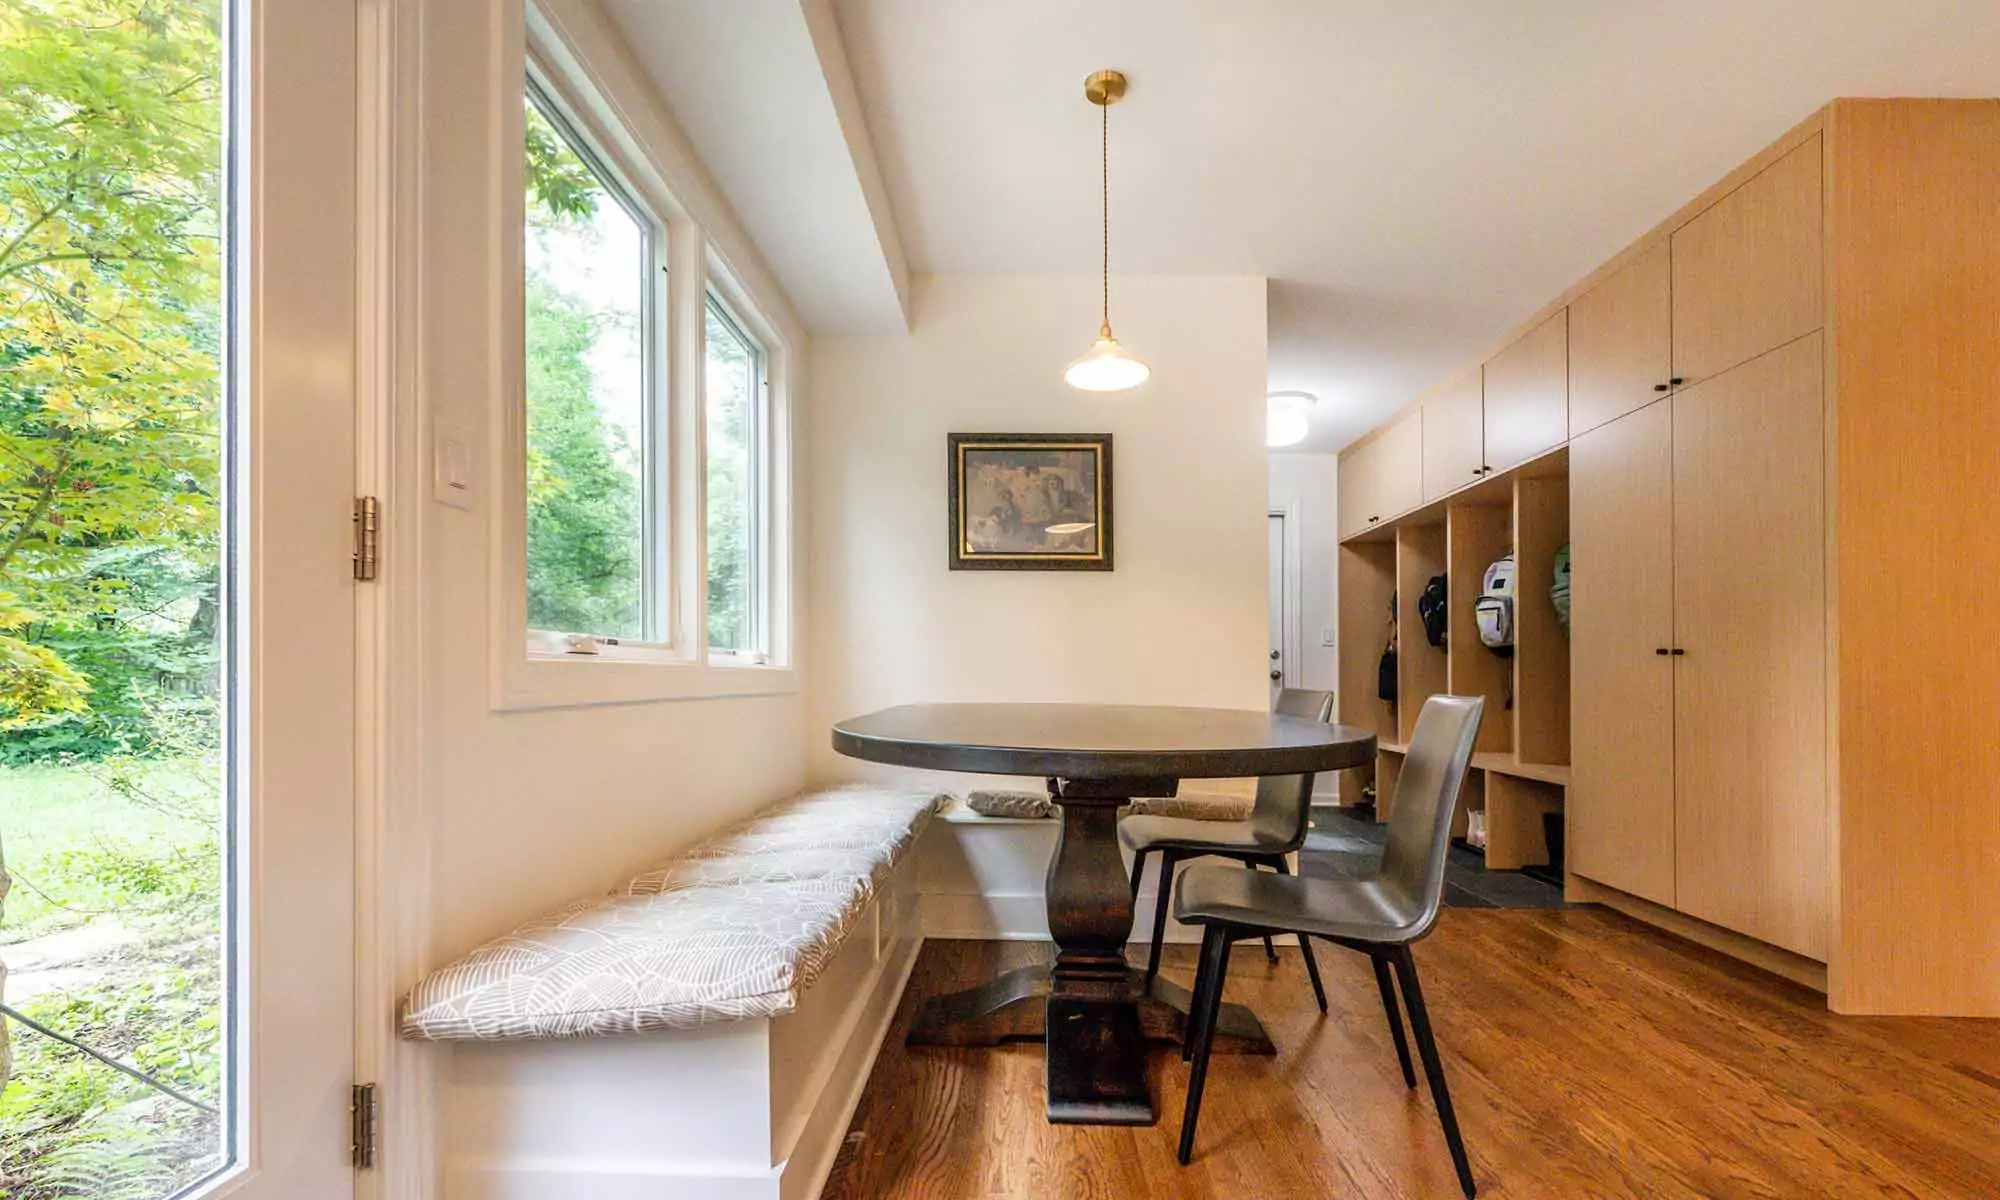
1288	418
1106	367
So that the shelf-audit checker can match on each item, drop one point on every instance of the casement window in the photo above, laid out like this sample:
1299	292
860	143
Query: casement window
643	537
736	439
599	561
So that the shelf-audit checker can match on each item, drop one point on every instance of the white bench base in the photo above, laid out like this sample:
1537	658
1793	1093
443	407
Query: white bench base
741	1110
744	1110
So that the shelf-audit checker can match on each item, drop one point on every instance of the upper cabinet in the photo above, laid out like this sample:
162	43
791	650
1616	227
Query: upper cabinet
1620	336
1381	478
1747	273
1527	395
1454	445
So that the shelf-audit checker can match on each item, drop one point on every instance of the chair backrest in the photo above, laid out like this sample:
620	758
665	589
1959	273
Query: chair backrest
1420	819
1284	802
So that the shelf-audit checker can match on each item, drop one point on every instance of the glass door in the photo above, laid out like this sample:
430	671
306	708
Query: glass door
176	605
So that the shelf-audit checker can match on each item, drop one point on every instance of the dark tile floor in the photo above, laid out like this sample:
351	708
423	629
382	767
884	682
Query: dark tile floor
1342	844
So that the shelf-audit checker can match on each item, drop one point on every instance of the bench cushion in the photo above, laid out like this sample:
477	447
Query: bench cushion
738	927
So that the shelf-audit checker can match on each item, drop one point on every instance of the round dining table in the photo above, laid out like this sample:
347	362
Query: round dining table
1093	1010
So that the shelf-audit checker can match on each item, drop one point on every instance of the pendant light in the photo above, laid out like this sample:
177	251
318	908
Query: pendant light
1106	367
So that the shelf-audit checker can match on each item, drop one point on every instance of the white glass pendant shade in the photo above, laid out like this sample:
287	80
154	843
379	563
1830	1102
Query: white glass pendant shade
1106	367
1287	420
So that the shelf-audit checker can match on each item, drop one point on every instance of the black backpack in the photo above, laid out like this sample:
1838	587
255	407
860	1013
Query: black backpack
1431	607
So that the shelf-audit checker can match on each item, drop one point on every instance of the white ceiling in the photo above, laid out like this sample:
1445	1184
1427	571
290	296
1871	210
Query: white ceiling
762	89
1414	176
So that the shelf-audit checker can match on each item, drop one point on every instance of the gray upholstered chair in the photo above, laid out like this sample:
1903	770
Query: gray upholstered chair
1274	829
1379	915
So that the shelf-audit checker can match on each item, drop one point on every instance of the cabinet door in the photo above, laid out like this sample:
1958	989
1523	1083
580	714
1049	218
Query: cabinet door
1527	395
1620	335
1357	501
1747	272
1396	479
1750	692
1454	436
1621	797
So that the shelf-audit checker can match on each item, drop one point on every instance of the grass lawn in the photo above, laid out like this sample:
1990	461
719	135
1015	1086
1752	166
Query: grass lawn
56	823
133	846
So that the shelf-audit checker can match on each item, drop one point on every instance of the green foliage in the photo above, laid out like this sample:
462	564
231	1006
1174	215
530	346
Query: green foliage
731	380
110	298
585	557
72	1127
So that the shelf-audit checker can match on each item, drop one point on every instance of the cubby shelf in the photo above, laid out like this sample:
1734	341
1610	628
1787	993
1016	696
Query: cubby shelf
1520	773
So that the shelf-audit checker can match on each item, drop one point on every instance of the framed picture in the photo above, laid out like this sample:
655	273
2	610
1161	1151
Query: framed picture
1031	502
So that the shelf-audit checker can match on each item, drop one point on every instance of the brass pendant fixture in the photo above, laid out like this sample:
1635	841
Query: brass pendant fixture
1106	367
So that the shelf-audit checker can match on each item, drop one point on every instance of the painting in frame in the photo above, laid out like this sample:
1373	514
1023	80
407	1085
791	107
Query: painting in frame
1031	502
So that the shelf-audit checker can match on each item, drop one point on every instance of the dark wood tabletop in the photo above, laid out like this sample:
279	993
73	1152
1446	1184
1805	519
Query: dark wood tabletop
1090	741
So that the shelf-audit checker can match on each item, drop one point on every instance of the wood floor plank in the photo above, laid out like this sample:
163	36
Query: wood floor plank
1589	1056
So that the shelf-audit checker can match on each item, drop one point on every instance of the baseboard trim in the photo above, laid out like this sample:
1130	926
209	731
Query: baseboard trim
1762	955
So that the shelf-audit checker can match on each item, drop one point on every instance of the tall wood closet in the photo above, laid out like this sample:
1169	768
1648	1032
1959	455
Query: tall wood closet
1767	432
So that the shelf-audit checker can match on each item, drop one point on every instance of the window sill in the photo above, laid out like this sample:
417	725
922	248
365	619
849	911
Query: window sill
542	681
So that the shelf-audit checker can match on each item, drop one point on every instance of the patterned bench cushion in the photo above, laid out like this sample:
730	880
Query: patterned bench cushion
737	928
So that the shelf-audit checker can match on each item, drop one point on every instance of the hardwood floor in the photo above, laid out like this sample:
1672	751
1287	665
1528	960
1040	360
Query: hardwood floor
1589	1056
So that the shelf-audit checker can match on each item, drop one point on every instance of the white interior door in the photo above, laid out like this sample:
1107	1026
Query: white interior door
1281	669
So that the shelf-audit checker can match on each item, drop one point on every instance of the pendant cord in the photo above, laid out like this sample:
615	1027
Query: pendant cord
1104	158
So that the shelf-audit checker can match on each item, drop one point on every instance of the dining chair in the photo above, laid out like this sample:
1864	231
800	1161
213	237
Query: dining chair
1274	829
1378	914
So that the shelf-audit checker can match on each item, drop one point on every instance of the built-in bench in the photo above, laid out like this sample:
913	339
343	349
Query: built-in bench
761	966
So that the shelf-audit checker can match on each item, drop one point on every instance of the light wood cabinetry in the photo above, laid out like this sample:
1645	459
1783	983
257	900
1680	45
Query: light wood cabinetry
1621	342
1454	436
1621	486
1383	477
1803	521
1527	395
1750	702
1747	272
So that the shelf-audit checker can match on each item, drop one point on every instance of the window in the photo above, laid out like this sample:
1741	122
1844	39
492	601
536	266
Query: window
596	561
735	391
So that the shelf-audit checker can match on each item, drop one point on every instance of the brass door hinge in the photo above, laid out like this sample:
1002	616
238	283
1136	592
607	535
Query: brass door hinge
364	1130
367	537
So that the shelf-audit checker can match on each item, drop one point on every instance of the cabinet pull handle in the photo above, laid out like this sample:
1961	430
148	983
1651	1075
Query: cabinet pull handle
1663	651
1372	520
1677	381
1661	387
1678	652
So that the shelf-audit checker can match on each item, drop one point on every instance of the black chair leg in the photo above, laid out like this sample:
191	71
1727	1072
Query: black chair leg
1164	880
1388	990
1413	996
1306	951
1197	1002
1138	873
1215	968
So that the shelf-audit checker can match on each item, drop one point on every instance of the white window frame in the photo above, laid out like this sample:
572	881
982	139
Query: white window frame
530	673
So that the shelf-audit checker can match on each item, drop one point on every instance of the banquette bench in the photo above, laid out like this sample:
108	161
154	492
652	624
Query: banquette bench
701	1032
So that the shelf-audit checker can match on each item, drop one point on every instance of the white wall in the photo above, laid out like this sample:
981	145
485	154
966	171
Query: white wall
1180	621
527	809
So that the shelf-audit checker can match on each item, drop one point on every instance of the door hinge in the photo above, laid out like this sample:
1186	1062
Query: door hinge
367	537
364	1130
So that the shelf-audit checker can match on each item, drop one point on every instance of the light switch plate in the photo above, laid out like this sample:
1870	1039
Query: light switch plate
1326	635
451	466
